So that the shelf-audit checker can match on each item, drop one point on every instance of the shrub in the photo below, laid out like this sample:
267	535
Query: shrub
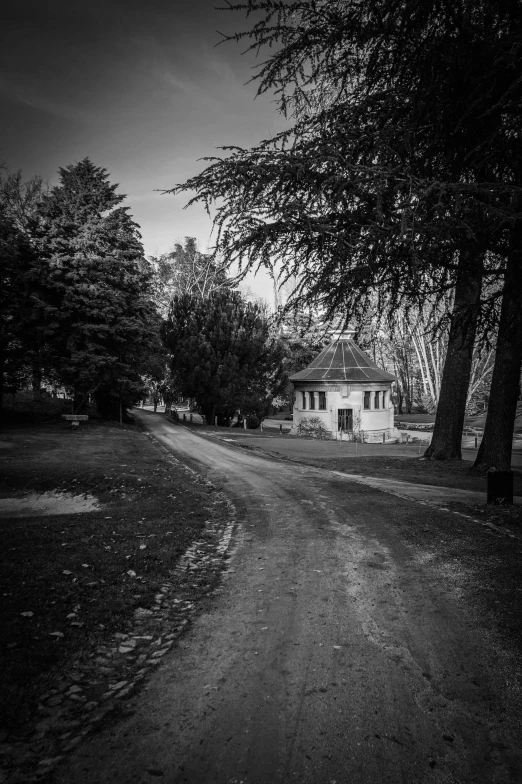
22	408
313	426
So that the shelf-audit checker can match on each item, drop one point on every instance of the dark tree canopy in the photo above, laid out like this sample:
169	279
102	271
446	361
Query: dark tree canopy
223	354
410	156
400	176
92	298
15	260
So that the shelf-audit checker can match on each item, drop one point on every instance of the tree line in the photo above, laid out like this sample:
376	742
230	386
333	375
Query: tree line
397	186
82	309
76	303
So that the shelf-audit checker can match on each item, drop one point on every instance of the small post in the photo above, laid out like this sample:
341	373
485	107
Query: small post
184	418
261	427
244	424
476	442
215	421
384	438
280	429
355	446
419	445
340	437
191	418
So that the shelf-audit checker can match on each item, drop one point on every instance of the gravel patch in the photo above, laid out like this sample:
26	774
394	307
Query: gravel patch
46	504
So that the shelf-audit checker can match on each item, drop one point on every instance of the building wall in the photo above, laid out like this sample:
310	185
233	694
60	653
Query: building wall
345	396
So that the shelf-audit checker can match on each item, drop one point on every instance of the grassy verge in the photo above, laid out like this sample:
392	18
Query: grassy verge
457	474
81	576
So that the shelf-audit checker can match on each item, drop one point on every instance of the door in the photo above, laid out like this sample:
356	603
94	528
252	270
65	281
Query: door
345	419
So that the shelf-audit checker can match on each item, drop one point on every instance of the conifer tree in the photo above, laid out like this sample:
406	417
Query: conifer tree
399	175
223	354
94	297
19	203
15	260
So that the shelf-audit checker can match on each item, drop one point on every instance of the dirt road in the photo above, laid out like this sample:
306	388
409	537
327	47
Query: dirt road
335	652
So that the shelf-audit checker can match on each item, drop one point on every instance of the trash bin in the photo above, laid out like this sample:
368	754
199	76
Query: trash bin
500	487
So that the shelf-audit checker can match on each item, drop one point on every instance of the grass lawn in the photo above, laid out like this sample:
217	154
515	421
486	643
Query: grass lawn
458	474
69	581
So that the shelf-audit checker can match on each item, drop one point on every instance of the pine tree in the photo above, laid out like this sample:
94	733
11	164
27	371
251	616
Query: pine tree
94	297
15	260
19	203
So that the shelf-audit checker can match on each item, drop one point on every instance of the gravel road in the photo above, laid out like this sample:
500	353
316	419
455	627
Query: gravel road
335	652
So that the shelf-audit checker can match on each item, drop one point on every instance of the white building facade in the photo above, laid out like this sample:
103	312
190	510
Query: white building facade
346	391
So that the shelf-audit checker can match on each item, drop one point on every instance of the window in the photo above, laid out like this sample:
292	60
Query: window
312	400
303	395
322	401
384	399
376	401
367	401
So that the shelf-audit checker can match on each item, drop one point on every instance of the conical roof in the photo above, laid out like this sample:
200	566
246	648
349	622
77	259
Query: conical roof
342	360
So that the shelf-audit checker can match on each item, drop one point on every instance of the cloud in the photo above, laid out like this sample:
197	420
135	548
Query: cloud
38	100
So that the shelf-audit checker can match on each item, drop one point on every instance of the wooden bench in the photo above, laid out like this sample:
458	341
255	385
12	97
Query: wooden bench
75	419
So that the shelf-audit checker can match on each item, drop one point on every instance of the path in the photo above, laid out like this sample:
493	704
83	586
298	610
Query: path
334	653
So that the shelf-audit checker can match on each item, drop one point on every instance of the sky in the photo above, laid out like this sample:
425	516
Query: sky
140	88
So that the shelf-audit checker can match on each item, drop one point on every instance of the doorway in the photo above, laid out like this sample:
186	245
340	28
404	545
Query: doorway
345	419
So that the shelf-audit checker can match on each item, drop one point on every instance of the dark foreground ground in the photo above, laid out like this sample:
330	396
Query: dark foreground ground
69	581
355	635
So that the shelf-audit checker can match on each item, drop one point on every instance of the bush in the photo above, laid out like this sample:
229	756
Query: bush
22	408
313	426
253	422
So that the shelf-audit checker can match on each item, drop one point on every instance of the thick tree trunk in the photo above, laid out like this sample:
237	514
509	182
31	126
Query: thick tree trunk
496	446
447	434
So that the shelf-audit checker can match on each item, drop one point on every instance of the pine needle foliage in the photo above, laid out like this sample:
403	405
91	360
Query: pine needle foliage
404	148
94	297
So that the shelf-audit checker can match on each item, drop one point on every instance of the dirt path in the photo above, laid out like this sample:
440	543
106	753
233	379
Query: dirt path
335	652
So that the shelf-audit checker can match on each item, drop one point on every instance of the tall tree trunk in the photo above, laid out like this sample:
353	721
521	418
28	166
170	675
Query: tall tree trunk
496	446
447	434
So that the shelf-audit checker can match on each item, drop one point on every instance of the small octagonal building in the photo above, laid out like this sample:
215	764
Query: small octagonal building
347	391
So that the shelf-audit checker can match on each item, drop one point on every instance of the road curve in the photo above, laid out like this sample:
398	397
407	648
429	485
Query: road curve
333	654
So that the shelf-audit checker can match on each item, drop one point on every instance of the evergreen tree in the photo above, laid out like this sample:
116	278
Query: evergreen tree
94	303
223	354
19	202
15	260
400	172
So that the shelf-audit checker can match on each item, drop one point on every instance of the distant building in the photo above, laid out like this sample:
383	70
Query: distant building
347	391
